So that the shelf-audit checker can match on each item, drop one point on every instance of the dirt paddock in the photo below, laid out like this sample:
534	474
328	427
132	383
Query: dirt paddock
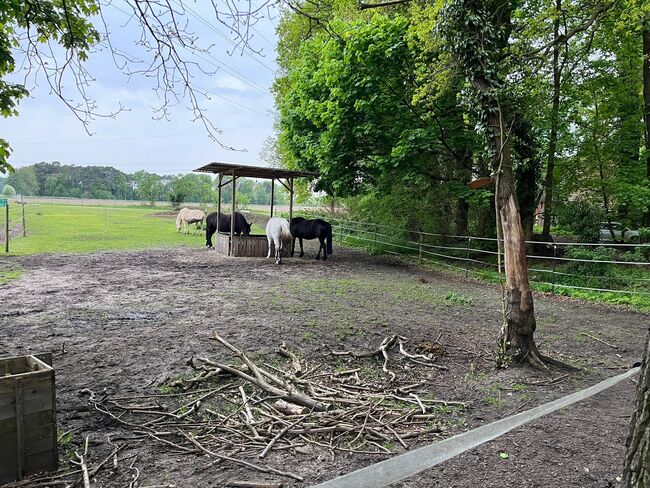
129	322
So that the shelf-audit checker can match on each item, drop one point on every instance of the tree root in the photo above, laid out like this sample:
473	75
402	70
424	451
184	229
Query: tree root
541	362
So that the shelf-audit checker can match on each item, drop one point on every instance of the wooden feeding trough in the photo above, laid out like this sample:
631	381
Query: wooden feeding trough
253	245
245	246
27	418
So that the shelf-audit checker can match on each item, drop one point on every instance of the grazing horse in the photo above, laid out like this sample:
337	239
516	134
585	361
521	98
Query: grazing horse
312	229
277	232
241	226
188	216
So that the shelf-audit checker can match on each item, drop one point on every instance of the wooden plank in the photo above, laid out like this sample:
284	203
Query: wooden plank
38	445
9	399
46	357
8	464
8	426
36	364
38	462
55	446
38	432
20	446
37	403
31	381
13	365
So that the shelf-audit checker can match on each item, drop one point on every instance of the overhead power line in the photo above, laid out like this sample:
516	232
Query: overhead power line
220	34
91	140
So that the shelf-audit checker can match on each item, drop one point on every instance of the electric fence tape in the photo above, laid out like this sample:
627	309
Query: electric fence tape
408	464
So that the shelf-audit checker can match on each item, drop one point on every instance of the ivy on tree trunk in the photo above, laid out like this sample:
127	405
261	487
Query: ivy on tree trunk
636	472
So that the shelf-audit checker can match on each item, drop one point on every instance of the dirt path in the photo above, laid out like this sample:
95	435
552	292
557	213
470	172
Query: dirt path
131	320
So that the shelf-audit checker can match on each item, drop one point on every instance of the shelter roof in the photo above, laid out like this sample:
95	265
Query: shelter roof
253	171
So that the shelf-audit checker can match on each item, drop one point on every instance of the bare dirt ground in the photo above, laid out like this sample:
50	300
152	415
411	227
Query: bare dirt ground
131	320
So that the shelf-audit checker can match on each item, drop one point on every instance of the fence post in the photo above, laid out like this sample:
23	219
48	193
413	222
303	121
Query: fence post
469	246
22	202
341	234
375	236
7	226
420	248
553	272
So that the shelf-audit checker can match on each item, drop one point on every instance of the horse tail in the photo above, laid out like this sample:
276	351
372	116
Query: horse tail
285	233
329	239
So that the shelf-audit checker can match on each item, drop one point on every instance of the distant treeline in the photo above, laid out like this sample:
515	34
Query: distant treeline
105	182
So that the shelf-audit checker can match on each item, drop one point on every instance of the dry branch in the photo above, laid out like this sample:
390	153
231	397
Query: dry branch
257	410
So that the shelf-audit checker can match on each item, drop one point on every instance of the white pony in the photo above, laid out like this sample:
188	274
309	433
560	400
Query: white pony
277	233
188	216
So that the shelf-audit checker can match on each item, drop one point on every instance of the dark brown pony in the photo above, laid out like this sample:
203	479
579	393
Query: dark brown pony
241	226
312	229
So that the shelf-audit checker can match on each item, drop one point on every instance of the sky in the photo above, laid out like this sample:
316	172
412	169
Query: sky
240	105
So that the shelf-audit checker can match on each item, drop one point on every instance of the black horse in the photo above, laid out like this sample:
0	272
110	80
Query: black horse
312	229
241	226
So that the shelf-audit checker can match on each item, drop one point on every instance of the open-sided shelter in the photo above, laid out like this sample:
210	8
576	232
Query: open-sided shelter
253	245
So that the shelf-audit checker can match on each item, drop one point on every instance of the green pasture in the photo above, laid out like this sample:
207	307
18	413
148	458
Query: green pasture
55	228
67	228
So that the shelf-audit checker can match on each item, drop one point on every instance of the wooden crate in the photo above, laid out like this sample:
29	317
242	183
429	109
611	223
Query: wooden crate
248	246
28	442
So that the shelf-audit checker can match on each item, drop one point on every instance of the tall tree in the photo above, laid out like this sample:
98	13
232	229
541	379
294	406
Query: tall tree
646	99
477	34
553	135
636	471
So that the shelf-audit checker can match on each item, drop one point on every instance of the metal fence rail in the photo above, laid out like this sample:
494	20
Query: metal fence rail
477	255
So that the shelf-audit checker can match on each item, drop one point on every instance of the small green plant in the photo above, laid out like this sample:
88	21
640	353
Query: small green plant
65	439
452	297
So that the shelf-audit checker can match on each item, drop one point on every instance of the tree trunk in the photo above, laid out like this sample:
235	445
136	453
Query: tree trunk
462	212
646	100
636	471
552	141
526	174
516	338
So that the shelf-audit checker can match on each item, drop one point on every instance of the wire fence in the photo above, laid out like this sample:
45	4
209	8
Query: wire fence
556	267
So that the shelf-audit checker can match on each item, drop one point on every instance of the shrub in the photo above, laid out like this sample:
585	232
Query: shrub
8	191
583	218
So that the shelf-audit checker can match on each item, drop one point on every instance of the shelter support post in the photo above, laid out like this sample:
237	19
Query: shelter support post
291	209
232	214
216	234
272	194
7	226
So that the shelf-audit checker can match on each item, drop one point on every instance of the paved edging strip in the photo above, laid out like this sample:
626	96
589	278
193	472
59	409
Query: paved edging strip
405	465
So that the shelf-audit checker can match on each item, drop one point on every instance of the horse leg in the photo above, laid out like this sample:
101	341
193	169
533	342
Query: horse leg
269	253
293	246
322	246
278	251
302	253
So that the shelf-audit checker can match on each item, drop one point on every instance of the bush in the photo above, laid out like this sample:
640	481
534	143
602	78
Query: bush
592	274
583	218
8	191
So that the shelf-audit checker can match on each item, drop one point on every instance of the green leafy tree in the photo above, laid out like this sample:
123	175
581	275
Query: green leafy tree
24	180
148	185
34	26
8	191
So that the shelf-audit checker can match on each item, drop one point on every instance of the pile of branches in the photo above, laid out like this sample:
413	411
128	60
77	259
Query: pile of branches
251	410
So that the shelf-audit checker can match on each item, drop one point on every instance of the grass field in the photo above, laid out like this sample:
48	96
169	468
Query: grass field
67	228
